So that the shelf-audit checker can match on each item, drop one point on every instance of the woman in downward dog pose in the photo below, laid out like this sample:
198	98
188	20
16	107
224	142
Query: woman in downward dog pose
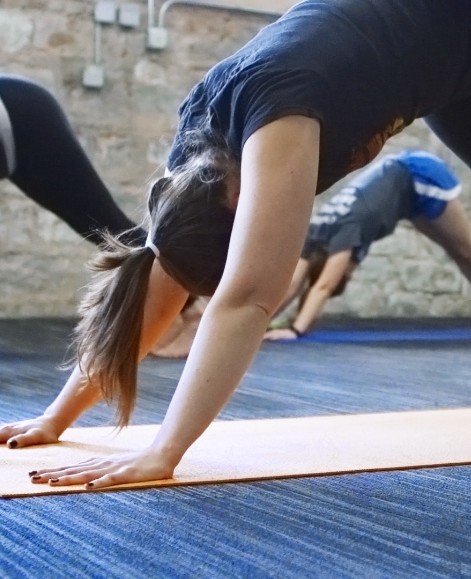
412	185
287	115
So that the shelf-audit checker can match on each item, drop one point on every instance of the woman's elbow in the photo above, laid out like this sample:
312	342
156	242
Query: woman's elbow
259	297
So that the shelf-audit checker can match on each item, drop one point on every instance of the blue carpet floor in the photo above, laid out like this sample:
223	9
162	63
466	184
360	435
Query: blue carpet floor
397	524
348	336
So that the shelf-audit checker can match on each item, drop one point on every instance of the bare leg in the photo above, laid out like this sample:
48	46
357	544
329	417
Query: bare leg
177	341
452	231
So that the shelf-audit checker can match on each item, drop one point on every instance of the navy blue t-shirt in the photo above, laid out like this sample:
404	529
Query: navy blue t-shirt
365	69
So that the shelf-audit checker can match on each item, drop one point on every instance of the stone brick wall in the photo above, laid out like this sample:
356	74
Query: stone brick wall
126	128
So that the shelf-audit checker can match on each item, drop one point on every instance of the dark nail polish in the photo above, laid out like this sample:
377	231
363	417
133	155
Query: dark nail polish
54	480
36	477
32	472
13	444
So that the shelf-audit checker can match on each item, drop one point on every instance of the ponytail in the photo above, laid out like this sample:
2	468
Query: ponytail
108	335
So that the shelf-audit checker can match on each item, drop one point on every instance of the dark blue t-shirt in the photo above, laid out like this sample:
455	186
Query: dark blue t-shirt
365	69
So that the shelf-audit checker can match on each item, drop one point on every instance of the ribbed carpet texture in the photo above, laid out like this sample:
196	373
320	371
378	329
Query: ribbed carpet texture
395	524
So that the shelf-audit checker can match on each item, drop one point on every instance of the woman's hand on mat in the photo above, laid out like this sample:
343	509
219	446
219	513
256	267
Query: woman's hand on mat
40	430
96	473
280	334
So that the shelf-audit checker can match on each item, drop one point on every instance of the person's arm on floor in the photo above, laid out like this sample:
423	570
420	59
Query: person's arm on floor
72	401
165	299
335	268
296	284
278	181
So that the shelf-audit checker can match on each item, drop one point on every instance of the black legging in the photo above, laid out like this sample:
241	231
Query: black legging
52	168
453	126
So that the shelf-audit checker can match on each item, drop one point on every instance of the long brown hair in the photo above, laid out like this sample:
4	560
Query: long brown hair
191	224
108	334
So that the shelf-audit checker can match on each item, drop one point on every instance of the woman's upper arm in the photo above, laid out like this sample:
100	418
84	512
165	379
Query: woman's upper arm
164	301
278	184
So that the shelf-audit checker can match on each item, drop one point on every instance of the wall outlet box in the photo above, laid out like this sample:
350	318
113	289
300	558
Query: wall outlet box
157	38
129	15
105	11
93	76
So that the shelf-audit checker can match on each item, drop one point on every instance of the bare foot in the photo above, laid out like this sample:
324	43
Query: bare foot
180	346
177	340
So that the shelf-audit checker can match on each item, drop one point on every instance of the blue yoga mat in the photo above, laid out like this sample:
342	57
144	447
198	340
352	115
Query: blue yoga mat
424	335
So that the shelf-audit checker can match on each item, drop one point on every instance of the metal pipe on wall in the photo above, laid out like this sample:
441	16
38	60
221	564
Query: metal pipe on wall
150	14
97	48
202	4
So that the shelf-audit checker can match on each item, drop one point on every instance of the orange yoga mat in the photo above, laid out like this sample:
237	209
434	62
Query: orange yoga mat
250	450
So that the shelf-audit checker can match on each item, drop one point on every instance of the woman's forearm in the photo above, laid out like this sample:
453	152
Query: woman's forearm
229	338
296	285
311	309
335	268
74	399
